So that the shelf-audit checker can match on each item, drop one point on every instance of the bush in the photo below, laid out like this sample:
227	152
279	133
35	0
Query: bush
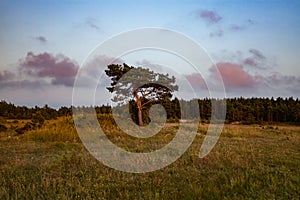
2	128
27	127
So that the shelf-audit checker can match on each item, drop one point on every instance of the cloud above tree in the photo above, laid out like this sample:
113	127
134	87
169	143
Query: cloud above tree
60	69
209	16
6	75
41	39
233	75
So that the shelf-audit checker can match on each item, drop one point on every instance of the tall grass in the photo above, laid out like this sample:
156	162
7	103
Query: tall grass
62	130
248	162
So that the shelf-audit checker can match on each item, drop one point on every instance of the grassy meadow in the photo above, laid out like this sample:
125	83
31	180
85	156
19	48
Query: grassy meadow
248	162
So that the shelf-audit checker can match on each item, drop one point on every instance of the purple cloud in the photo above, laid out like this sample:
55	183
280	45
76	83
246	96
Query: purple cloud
23	84
94	68
257	59
60	69
6	75
279	85
41	39
239	82
209	16
256	53
217	33
233	75
251	62
196	80
91	22
250	21
235	27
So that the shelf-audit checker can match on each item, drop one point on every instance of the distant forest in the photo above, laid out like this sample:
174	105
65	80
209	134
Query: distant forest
243	110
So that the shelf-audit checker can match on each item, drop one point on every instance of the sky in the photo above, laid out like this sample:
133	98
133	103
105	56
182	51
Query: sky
254	45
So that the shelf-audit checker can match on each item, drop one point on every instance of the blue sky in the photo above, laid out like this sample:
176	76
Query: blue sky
257	40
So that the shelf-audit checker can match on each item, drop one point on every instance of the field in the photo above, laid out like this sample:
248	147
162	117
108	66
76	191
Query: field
248	162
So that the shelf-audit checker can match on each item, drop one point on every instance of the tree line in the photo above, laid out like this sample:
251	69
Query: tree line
244	110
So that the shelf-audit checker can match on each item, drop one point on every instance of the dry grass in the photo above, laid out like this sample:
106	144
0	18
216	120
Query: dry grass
248	162
61	129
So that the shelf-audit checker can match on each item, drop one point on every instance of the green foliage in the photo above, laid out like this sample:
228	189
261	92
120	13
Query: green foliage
241	110
12	111
116	72
141	85
139	81
38	119
27	127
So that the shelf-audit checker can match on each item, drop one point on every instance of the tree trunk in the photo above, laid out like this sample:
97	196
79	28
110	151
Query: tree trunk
140	114
141	123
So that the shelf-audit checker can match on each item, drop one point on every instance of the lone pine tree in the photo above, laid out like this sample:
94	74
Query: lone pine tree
139	84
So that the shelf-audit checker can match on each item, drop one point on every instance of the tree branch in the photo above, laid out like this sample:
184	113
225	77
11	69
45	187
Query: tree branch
150	101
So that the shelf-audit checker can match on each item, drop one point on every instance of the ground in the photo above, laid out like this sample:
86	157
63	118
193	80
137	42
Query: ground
248	162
